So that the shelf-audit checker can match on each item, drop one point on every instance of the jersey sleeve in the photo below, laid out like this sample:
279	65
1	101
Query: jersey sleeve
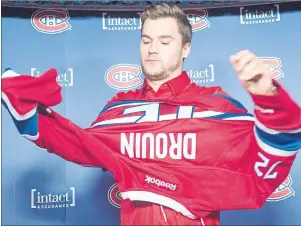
260	153
28	101
277	139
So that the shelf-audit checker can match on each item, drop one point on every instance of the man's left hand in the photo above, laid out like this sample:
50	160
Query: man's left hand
254	75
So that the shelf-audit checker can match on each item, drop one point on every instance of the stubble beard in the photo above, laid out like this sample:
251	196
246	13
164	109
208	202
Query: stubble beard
160	74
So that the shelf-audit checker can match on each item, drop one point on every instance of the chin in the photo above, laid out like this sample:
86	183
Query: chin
150	72
155	77
153	74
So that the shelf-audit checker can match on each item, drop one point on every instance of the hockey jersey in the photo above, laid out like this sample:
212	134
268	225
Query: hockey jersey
196	153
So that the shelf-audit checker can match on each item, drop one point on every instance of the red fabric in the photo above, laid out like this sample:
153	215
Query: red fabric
284	107
220	176
26	92
145	213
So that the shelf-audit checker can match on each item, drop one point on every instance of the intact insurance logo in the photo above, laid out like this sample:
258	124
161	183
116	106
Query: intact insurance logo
198	19
205	75
51	21
50	200
255	15
111	21
114	196
274	64
64	79
123	76
284	191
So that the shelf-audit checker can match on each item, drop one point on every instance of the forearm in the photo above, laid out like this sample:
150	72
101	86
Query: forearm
277	112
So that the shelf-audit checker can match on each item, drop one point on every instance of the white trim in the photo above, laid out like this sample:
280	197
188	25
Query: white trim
44	149
271	150
131	104
272	131
184	112
13	111
167	117
204	114
202	221
29	137
164	215
133	119
236	118
159	199
10	74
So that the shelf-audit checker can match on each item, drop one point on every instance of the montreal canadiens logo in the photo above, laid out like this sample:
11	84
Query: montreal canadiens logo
114	196
123	76
274	64
51	21
284	191
198	19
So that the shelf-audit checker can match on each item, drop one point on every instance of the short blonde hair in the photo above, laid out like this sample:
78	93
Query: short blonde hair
164	10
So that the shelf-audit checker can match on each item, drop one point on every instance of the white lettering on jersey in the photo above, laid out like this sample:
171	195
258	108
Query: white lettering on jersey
151	113
264	164
160	183
148	145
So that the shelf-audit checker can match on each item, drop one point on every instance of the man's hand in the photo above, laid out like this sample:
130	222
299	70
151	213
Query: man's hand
253	73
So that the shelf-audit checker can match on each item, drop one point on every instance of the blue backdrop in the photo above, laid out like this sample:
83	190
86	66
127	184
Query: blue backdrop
97	55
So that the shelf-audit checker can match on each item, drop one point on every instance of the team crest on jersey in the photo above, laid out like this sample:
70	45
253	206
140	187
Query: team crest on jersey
284	191
198	19
51	21
274	65
114	196
123	76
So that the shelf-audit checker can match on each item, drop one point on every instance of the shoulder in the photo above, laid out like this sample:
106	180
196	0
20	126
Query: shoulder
128	95
207	90
216	98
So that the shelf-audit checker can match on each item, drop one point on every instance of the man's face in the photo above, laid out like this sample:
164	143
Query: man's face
161	48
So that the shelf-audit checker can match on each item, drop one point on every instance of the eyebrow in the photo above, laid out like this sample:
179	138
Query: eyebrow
161	36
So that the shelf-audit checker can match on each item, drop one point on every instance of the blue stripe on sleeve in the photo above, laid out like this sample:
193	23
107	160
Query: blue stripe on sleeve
25	127
283	141
233	101
229	115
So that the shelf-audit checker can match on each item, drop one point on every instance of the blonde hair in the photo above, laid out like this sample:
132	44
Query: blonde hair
164	10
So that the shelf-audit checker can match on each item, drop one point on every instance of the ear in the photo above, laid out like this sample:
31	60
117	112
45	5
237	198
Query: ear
186	50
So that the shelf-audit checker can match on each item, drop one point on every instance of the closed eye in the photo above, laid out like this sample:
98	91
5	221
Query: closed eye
166	40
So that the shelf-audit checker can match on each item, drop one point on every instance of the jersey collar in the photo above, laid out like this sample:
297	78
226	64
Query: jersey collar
172	87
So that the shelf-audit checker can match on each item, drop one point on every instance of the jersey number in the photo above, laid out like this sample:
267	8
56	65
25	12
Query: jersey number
265	164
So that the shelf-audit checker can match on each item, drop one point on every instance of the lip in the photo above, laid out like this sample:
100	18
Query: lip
153	60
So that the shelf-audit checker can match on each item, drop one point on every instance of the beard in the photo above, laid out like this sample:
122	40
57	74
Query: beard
156	71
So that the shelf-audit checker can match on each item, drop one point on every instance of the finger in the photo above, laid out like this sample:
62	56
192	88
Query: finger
253	75
244	61
248	70
242	53
238	55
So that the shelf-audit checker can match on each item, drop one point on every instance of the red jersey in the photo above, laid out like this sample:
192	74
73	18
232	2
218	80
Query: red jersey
178	147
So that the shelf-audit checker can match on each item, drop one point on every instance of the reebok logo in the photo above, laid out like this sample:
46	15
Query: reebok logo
160	183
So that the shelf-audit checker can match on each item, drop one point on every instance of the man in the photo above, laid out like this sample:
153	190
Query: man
174	147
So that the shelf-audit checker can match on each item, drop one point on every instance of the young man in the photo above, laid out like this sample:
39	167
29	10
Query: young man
172	146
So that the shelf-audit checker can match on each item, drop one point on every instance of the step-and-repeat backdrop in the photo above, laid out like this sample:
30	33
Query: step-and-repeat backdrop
85	46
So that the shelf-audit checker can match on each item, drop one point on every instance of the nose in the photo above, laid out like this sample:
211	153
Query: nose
153	48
